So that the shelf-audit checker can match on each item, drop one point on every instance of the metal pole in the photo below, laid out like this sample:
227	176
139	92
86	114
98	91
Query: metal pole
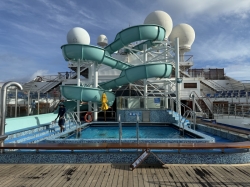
137	128
247	97
28	104
78	84
90	82
177	91
120	129
38	103
145	57
235	110
166	95
95	86
47	108
3	103
16	101
194	114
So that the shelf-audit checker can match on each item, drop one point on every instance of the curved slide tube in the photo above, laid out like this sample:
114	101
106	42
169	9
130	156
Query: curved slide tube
136	33
75	52
135	73
128	76
86	94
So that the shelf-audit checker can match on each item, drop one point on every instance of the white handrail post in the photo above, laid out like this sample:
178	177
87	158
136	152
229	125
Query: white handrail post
95	86
177	77
78	84
145	80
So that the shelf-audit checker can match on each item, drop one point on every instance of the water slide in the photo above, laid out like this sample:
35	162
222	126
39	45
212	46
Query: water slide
129	74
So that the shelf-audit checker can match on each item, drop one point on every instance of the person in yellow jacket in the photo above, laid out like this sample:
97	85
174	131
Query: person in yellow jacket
104	101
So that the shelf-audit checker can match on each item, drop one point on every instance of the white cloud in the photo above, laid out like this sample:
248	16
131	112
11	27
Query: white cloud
211	8
221	26
239	71
38	73
222	47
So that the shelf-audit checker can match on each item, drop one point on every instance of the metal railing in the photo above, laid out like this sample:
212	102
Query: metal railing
158	103
236	110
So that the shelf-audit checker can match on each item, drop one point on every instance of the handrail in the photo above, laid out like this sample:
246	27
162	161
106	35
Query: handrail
237	109
71	117
49	83
204	101
86	146
182	104
218	85
196	101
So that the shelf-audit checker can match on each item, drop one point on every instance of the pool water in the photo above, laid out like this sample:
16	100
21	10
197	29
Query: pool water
112	132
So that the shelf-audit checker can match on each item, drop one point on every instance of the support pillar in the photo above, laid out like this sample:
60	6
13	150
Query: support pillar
78	84
28	103
95	86
3	103
91	83
38	105
177	76
166	95
145	80
16	101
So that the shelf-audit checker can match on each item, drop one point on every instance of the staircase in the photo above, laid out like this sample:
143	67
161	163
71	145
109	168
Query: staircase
38	134
50	85
184	122
27	86
213	85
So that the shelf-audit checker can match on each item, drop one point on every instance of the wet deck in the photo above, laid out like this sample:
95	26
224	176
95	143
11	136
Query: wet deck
39	175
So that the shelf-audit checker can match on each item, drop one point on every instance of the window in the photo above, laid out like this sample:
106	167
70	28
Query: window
190	85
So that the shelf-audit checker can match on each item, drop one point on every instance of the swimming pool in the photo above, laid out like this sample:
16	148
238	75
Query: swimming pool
109	133
112	132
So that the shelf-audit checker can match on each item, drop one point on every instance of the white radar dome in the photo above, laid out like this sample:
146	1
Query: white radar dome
160	18
78	35
186	36
102	40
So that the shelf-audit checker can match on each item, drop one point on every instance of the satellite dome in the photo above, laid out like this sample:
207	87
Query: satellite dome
78	35
160	18
186	36
102	40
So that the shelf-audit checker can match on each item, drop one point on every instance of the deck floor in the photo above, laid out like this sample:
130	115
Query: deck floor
118	175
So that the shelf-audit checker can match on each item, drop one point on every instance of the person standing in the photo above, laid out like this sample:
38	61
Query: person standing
33	107
61	116
67	75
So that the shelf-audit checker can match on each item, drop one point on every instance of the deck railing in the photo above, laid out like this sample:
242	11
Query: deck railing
142	146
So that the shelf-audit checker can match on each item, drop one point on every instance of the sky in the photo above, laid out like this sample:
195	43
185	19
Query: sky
32	32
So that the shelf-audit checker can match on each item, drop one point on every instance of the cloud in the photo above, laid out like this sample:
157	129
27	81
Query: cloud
33	31
239	71
38	73
222	47
211	8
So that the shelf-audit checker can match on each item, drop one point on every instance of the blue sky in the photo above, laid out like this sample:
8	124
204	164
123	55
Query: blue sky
32	32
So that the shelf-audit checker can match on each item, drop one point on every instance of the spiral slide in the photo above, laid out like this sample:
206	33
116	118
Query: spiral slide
129	74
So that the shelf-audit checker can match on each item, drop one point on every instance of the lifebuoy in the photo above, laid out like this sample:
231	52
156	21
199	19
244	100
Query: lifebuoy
87	116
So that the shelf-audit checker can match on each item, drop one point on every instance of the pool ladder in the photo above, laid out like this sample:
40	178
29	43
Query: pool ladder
120	129
184	119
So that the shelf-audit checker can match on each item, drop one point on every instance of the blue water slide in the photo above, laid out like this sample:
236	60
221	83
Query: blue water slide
129	74
86	94
144	71
75	52
136	33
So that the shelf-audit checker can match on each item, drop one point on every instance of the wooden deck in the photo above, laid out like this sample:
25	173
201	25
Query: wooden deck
39	175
